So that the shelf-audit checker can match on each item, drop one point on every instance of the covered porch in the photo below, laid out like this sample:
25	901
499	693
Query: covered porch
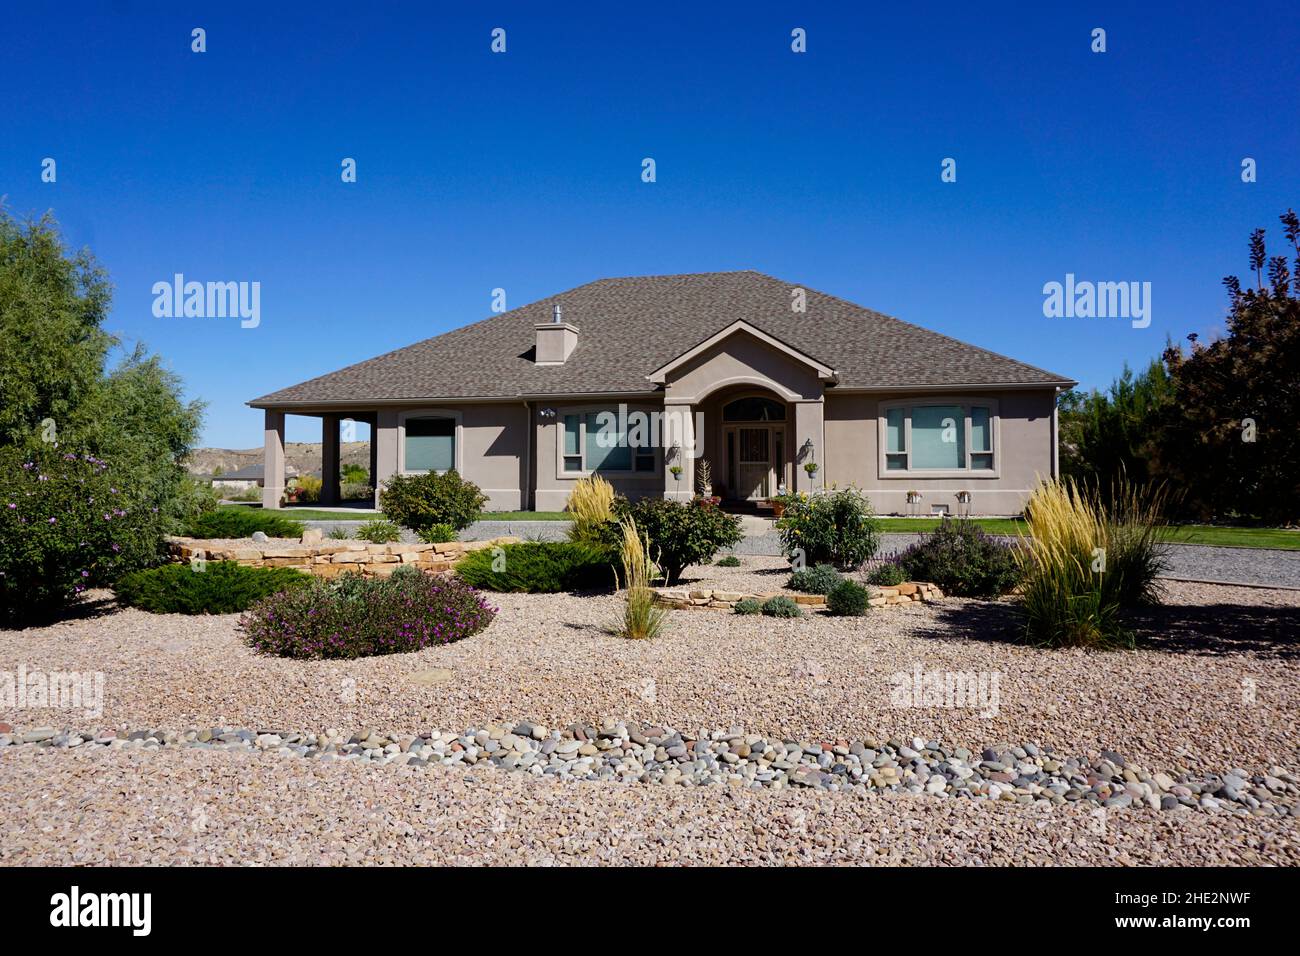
336	428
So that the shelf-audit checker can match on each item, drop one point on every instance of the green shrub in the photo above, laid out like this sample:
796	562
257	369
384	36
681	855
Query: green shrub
781	606
418	501
749	606
835	527
963	560
730	561
354	616
240	522
682	533
819	579
66	524
437	534
377	531
543	567
848	599
221	587
887	575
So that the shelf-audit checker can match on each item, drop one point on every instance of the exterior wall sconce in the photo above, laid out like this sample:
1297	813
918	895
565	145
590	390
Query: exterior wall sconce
547	413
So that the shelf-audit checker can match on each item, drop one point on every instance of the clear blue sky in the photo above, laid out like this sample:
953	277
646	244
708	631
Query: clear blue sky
522	170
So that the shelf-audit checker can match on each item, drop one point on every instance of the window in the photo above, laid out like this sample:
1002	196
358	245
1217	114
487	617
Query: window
430	444
755	409
895	440
597	441
981	439
938	437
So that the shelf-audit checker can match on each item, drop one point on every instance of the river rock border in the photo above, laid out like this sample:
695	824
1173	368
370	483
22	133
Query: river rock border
720	599
628	752
329	558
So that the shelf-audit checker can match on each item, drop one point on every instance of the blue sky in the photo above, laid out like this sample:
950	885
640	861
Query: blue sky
522	170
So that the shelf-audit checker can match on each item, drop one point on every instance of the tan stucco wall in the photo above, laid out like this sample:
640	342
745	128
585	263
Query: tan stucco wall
493	449
844	428
1024	443
741	360
553	489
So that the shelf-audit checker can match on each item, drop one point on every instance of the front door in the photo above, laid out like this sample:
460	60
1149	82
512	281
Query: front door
756	461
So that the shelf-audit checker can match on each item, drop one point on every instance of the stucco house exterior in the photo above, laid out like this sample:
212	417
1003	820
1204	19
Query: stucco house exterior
756	375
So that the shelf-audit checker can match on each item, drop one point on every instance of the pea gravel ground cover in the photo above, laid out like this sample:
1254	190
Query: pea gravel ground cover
1214	689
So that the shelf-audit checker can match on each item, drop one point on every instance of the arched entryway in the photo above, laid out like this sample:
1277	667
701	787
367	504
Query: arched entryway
754	442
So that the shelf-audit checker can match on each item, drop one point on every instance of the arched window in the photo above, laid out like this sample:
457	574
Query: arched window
753	409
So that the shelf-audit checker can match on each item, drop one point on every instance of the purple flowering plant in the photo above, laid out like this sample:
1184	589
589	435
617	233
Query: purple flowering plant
354	616
54	541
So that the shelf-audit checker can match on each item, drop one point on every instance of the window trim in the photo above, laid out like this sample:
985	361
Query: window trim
582	411
458	458
965	402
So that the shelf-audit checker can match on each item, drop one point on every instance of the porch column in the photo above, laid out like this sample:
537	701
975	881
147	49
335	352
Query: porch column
273	459
810	444
329	465
374	449
678	430
384	437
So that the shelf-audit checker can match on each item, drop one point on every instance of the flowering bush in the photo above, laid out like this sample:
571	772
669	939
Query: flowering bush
66	525
835	527
354	616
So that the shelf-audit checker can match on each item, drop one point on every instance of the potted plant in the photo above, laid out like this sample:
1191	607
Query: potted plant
811	467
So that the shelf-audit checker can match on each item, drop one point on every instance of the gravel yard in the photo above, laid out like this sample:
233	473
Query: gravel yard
122	807
1214	688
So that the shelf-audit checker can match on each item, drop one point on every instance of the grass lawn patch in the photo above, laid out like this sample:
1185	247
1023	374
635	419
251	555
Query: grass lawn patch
1217	536
1213	536
306	514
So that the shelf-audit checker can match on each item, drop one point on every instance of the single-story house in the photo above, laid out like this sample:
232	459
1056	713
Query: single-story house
757	376
250	476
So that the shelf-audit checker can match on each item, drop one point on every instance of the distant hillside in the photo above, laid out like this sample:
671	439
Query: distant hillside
304	456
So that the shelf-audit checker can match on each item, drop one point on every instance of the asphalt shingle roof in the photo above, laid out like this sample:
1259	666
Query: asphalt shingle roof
631	326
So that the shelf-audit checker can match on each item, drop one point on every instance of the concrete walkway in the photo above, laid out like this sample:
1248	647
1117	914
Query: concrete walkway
1249	566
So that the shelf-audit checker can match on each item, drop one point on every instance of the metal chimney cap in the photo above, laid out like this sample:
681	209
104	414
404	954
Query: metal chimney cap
557	314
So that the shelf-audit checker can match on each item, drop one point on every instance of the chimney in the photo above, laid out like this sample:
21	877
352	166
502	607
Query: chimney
556	339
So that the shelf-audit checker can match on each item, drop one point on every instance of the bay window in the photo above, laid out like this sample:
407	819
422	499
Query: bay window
938	436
